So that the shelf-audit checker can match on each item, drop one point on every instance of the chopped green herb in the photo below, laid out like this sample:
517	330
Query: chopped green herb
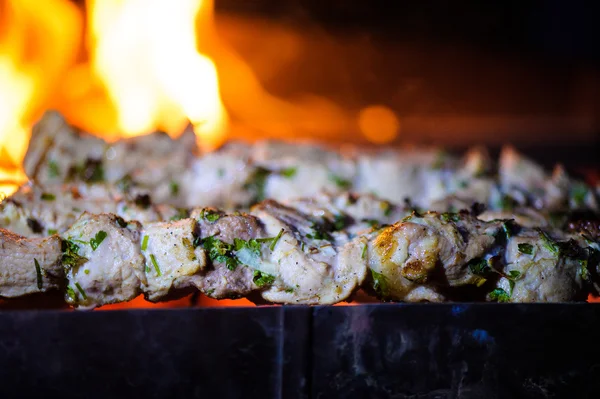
71	294
380	283
87	271
500	295
339	222
256	183
548	242
583	270
289	290
96	241
210	215
526	248
363	255
90	171
219	251
210	292
81	291
124	184
155	264
38	273
448	216
506	203
578	193
53	170
289	172
261	279
182	213
174	187
479	266
145	243
253	245
372	223
319	233
52	231
387	208
276	240
340	182
509	227
70	257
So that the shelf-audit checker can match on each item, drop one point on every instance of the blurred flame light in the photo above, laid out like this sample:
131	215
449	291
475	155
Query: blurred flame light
38	41
145	53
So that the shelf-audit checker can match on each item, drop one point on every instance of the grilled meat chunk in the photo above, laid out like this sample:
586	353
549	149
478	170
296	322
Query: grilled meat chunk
303	259
172	261
102	260
434	249
542	269
229	274
29	265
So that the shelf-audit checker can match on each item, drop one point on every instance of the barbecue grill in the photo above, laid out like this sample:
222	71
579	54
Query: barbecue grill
455	75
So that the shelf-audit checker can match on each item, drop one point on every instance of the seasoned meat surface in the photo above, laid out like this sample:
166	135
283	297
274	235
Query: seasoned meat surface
29	265
102	260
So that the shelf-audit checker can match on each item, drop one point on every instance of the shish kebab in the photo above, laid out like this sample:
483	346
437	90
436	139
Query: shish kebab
559	277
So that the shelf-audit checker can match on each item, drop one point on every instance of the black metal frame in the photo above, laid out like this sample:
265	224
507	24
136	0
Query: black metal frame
382	350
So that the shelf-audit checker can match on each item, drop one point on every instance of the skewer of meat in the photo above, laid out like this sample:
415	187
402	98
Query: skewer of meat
288	254
238	175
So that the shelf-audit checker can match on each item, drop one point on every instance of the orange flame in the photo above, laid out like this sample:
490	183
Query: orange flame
38	41
145	53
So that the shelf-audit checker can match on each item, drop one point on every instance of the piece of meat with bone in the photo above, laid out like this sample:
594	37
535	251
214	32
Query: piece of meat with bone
425	252
102	260
29	265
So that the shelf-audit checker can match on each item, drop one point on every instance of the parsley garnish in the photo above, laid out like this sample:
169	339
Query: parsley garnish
578	193
448	216
275	240
256	183
182	213
548	242
81	291
261	279
319	233
526	248
145	243
387	208
339	222
155	264
70	257
71	294
500	295
340	182
363	255
96	241
289	172
47	197
289	290
219	251
38	273
124	183
507	203
174	187
53	170
210	215
380	283
52	231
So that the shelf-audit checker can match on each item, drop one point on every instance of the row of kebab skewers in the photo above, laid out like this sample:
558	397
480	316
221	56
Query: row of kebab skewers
292	224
